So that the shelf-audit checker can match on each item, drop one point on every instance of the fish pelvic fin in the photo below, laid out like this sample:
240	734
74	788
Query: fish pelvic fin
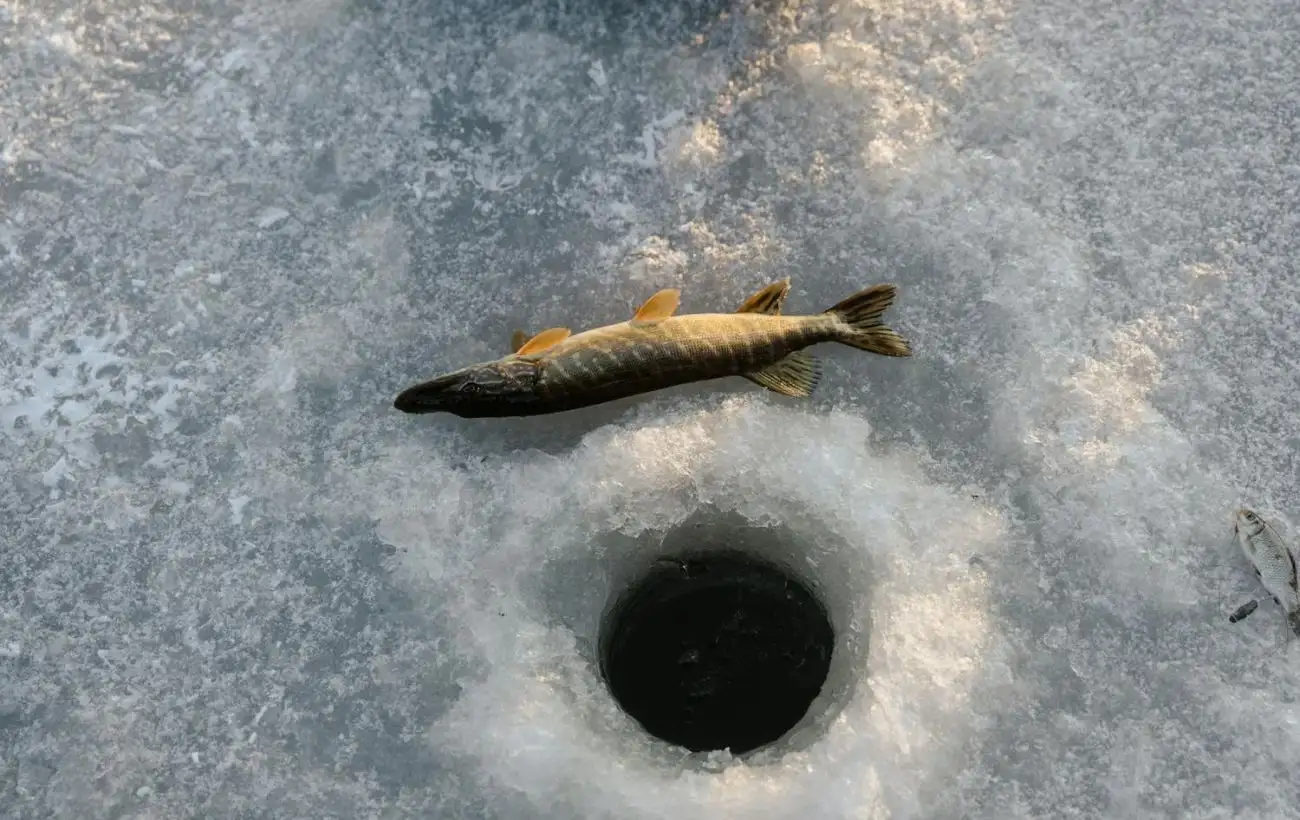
546	339
768	300
861	312
796	375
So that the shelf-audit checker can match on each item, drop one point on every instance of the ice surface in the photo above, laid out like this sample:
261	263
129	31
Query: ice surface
236	583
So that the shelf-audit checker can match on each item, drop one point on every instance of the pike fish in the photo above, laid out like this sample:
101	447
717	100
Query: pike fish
1273	562
556	370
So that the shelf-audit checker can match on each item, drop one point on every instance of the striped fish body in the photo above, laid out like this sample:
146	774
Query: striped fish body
631	358
1272	561
556	371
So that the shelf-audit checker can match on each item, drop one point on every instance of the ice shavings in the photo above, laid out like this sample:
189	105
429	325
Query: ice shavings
302	604
61	380
542	722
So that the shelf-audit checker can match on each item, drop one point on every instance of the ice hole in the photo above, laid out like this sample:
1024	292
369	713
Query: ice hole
716	645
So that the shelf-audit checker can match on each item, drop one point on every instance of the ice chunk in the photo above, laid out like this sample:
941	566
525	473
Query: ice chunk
271	217
237	505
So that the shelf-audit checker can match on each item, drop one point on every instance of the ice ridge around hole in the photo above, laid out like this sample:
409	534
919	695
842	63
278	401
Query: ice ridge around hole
235	583
541	720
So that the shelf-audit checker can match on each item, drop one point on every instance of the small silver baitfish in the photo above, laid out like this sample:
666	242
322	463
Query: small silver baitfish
1273	562
555	371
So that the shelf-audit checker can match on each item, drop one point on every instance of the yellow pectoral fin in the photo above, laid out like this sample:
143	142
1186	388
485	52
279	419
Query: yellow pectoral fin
517	340
542	341
660	306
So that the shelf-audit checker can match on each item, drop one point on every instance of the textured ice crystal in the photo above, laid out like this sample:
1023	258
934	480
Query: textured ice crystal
234	582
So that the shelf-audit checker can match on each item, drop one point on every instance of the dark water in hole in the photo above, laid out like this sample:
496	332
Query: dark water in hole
717	652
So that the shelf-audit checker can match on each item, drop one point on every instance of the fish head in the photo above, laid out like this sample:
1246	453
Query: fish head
499	388
1247	523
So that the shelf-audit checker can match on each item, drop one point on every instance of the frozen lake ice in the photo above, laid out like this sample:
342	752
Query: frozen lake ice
234	582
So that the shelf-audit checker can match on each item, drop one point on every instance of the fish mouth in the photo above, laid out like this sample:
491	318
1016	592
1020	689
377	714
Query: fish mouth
426	397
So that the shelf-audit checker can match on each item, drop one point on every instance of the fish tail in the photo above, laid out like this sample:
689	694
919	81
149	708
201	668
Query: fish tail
864	330
1293	621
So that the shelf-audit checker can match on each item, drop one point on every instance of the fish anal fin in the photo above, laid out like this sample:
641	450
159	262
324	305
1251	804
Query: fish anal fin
546	339
796	375
768	300
517	340
660	306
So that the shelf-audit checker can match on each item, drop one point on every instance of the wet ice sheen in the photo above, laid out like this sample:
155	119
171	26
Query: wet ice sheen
235	583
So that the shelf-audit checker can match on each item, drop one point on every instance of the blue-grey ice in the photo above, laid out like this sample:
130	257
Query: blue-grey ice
236	583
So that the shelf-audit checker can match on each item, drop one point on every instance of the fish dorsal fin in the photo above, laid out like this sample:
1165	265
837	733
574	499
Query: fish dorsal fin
542	341
517	340
660	306
795	375
768	300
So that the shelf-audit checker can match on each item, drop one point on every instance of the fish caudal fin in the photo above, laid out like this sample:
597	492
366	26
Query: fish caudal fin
795	375
1293	621
865	331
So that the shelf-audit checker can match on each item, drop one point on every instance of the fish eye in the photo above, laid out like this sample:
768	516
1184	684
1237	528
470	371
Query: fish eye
470	388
